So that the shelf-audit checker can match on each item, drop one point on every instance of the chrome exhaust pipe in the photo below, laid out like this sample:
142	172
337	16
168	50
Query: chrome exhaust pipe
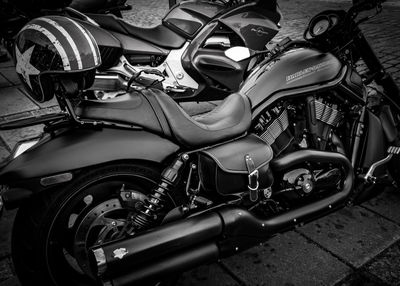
182	245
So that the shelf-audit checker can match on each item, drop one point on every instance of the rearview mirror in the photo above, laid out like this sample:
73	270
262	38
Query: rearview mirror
238	54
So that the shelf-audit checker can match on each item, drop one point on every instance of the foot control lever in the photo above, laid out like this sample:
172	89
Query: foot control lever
392	150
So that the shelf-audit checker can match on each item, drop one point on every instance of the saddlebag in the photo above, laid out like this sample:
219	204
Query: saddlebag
237	166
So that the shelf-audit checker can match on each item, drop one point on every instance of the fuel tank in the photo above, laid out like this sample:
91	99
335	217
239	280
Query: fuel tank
293	70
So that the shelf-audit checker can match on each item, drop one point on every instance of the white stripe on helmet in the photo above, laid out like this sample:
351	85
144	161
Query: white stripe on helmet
53	39
69	38
90	41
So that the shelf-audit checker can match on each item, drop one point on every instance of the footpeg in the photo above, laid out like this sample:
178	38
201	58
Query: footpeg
392	150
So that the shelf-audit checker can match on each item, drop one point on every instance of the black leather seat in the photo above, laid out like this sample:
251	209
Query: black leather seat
229	120
160	35
131	108
156	111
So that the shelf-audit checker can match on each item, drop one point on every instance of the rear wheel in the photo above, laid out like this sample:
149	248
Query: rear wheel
53	232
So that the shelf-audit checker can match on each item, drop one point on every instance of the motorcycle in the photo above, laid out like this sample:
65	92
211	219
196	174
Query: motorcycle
184	55
132	189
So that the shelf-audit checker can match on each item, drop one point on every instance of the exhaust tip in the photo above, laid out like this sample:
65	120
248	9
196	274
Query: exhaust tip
101	261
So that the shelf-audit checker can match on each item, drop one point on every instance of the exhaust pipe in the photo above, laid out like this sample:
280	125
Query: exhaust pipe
150	246
185	244
174	263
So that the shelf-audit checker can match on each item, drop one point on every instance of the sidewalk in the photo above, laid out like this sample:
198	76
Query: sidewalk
355	246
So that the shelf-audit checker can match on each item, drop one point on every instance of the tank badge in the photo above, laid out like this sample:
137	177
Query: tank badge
120	253
308	71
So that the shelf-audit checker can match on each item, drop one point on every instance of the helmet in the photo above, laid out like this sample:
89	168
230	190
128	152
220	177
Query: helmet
54	47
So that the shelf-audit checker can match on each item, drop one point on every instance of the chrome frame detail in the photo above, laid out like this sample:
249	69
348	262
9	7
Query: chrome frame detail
370	174
176	79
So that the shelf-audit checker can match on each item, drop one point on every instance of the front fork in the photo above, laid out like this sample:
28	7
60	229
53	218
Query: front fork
378	72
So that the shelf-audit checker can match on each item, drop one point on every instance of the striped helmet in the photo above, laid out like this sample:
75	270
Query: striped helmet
53	46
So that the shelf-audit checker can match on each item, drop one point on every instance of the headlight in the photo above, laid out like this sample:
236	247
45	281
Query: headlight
21	147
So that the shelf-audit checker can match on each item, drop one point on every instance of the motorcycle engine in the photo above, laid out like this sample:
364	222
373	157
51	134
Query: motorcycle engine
299	124
307	123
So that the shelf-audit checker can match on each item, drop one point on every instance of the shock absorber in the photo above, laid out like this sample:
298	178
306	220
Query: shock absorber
169	178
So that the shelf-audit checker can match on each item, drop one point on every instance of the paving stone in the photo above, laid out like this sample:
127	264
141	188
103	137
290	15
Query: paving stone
146	13
4	82
361	278
4	153
14	136
287	259
47	104
7	64
12	101
5	269
6	222
10	74
354	234
387	265
210	275
13	281
387	204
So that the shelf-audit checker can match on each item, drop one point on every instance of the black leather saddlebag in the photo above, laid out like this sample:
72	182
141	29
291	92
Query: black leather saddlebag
237	166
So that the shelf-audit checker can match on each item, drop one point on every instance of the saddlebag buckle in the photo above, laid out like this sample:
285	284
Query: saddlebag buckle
253	178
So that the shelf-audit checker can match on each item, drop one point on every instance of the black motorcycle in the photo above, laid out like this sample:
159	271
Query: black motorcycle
132	190
183	55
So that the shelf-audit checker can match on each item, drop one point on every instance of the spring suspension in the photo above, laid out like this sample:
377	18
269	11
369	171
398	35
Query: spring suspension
169	178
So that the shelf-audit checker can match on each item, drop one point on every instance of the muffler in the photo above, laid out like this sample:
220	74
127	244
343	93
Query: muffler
182	245
149	246
163	267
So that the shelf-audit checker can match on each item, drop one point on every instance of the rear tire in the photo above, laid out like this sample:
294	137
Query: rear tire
53	230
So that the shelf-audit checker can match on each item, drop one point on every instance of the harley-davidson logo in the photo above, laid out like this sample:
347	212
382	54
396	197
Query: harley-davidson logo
308	71
260	31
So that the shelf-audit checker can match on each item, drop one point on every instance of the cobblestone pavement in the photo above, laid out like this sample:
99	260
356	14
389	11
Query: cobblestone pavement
357	246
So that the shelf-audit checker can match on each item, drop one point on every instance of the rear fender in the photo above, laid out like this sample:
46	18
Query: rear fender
56	160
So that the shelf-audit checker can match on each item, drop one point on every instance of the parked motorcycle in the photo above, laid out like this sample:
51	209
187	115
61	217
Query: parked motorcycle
132	189
184	55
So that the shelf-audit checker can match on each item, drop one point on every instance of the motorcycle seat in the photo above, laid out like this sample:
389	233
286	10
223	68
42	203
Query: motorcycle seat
130	108
159	113
230	119
160	35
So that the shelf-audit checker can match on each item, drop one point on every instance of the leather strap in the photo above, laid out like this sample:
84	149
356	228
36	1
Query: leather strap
253	178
